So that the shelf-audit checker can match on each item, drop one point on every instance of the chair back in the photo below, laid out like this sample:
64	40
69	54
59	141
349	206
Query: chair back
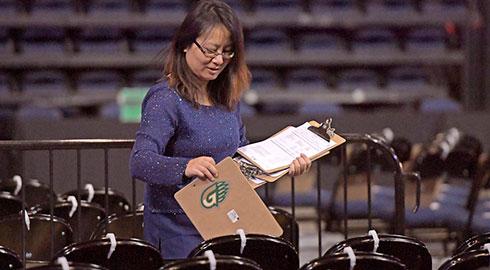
128	254
9	204
288	224
126	226
118	204
36	192
223	262
364	260
71	266
409	251
9	259
475	242
470	260
91	215
38	237
269	252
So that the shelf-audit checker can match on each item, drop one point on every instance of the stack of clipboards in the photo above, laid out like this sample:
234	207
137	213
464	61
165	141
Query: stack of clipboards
271	158
229	203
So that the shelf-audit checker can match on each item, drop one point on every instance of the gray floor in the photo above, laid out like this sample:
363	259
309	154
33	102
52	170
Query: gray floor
308	249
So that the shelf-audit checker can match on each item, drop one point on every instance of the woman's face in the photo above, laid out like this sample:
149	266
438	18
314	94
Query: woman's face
217	40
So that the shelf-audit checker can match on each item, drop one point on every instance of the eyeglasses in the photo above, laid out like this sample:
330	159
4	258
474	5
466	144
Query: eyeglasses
227	55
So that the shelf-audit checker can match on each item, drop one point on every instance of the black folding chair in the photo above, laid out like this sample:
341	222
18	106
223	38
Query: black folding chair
71	266
9	259
470	260
128	254
91	214
9	204
269	252
38	237
475	242
223	262
118	204
364	261
288	224
409	251
36	192
126	226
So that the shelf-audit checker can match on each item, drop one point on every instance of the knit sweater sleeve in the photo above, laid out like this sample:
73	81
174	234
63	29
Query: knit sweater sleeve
159	122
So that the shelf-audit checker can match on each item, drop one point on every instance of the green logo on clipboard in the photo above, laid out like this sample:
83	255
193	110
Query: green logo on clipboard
214	195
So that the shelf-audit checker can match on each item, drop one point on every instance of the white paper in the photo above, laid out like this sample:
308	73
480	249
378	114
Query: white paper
280	150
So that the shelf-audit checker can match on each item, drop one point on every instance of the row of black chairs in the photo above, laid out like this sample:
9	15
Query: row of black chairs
385	251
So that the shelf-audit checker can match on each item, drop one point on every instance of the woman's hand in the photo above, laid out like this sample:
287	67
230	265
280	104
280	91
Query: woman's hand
203	168
300	165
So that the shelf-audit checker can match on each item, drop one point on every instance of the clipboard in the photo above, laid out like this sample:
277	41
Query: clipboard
323	131
229	203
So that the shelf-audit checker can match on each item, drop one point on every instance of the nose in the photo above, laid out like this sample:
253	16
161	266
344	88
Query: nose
218	60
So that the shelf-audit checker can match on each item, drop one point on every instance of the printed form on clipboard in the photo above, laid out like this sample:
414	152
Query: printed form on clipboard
277	152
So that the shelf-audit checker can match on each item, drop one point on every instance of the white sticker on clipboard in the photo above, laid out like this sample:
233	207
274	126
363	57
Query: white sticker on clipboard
233	216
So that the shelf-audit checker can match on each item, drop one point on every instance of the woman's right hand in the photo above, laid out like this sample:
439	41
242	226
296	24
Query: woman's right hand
203	168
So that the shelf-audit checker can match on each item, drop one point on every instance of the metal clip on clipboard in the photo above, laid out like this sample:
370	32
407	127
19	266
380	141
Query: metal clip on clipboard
325	130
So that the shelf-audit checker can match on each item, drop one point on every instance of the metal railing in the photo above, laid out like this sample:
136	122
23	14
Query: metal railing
107	145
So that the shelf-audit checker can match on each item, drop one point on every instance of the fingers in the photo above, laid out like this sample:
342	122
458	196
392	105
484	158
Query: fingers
202	167
300	165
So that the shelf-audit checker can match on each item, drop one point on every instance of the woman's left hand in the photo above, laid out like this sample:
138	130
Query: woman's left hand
300	165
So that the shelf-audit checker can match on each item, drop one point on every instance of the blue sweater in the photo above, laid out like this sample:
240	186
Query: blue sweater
172	132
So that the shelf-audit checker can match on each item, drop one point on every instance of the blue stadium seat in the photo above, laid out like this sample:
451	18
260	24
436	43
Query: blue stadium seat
404	78
352	79
101	40
8	7
319	43
109	111
449	8
376	8
51	7
306	79
334	7
152	40
4	83
41	40
427	39
105	7
277	7
165	6
364	260
440	105
236	5
38	113
101	80
4	41
145	77
374	40
268	42
263	79
45	83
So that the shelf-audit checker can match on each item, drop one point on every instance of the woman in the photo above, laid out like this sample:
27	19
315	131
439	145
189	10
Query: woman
190	121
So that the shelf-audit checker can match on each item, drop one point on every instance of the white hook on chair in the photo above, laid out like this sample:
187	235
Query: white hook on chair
211	258
27	220
352	256
111	237
74	205
18	184
91	192
374	234
63	262
243	239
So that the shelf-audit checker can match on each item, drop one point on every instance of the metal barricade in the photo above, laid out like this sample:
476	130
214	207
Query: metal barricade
106	145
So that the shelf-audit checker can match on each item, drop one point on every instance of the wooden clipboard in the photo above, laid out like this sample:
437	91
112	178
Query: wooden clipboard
229	203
